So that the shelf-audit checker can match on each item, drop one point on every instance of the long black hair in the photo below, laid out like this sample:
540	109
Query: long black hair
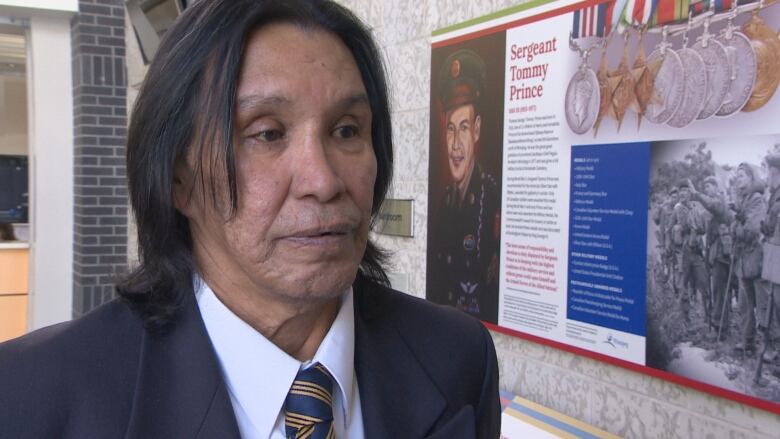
187	101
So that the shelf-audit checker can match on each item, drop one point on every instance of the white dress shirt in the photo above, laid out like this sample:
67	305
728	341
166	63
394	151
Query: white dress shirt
258	374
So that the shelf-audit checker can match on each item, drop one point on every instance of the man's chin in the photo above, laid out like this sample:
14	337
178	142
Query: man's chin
457	175
320	283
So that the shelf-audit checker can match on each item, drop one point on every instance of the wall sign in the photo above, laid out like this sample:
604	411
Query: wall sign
605	178
396	217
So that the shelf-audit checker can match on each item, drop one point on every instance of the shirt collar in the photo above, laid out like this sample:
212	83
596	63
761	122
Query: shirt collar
258	374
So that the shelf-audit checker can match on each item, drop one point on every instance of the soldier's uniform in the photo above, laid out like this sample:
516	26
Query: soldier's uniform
770	227
663	219
467	246
718	252
465	243
770	223
687	232
748	254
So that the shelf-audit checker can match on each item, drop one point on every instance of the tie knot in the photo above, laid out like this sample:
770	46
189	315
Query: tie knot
308	409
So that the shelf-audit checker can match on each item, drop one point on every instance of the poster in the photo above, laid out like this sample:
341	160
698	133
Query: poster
604	179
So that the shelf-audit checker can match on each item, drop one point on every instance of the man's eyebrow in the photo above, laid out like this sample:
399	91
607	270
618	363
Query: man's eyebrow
359	98
251	101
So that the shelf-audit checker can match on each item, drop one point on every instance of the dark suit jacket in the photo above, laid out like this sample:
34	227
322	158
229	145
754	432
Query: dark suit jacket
422	370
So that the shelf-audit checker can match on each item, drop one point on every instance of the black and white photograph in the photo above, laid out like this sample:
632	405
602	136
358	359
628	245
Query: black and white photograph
713	245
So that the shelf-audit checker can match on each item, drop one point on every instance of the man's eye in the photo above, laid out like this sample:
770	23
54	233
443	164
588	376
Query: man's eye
346	131
268	135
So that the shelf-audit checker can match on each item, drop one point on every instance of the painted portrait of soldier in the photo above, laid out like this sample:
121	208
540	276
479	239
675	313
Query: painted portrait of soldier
465	220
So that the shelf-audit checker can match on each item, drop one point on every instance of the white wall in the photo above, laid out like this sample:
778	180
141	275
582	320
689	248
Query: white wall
51	5
626	403
50	117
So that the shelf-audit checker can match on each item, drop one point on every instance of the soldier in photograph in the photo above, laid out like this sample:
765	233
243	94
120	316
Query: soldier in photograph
467	243
770	227
662	217
717	249
687	229
750	210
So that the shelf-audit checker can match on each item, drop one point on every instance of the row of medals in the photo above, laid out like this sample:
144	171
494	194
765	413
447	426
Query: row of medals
719	75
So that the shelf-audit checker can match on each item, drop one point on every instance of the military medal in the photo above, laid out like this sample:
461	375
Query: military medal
695	80
767	49
584	94
582	101
716	69
668	84
623	95
742	65
644	76
582	98
605	97
469	243
637	14
695	87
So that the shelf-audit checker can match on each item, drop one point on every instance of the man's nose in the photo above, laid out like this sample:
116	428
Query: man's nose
314	173
457	145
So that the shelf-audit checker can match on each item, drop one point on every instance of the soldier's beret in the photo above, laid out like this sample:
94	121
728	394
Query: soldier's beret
683	184
461	79
711	180
773	160
673	190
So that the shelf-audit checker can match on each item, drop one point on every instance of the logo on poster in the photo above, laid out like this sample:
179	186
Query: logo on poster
615	342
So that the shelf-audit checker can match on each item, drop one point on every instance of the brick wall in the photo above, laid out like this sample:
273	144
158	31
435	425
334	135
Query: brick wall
100	132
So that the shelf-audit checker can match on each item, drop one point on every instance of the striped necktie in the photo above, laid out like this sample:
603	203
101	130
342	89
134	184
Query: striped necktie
308	411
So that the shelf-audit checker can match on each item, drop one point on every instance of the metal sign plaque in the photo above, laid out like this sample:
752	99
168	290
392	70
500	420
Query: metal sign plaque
396	218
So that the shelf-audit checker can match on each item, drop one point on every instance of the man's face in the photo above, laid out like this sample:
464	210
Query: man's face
710	189
743	179
463	127
305	172
674	197
685	194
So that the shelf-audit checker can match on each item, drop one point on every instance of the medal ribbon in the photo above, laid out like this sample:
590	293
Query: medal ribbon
638	12
722	5
597	21
670	11
698	6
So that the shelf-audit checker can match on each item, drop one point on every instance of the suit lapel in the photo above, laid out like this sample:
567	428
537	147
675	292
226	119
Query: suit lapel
398	399
180	391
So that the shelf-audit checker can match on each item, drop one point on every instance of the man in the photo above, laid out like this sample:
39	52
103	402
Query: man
464	271
748	252
717	250
687	228
258	153
662	217
770	227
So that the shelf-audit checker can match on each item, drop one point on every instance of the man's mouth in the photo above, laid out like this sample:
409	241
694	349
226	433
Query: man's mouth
321	235
456	160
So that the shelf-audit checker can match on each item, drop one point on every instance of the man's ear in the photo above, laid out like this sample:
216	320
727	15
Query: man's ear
477	127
